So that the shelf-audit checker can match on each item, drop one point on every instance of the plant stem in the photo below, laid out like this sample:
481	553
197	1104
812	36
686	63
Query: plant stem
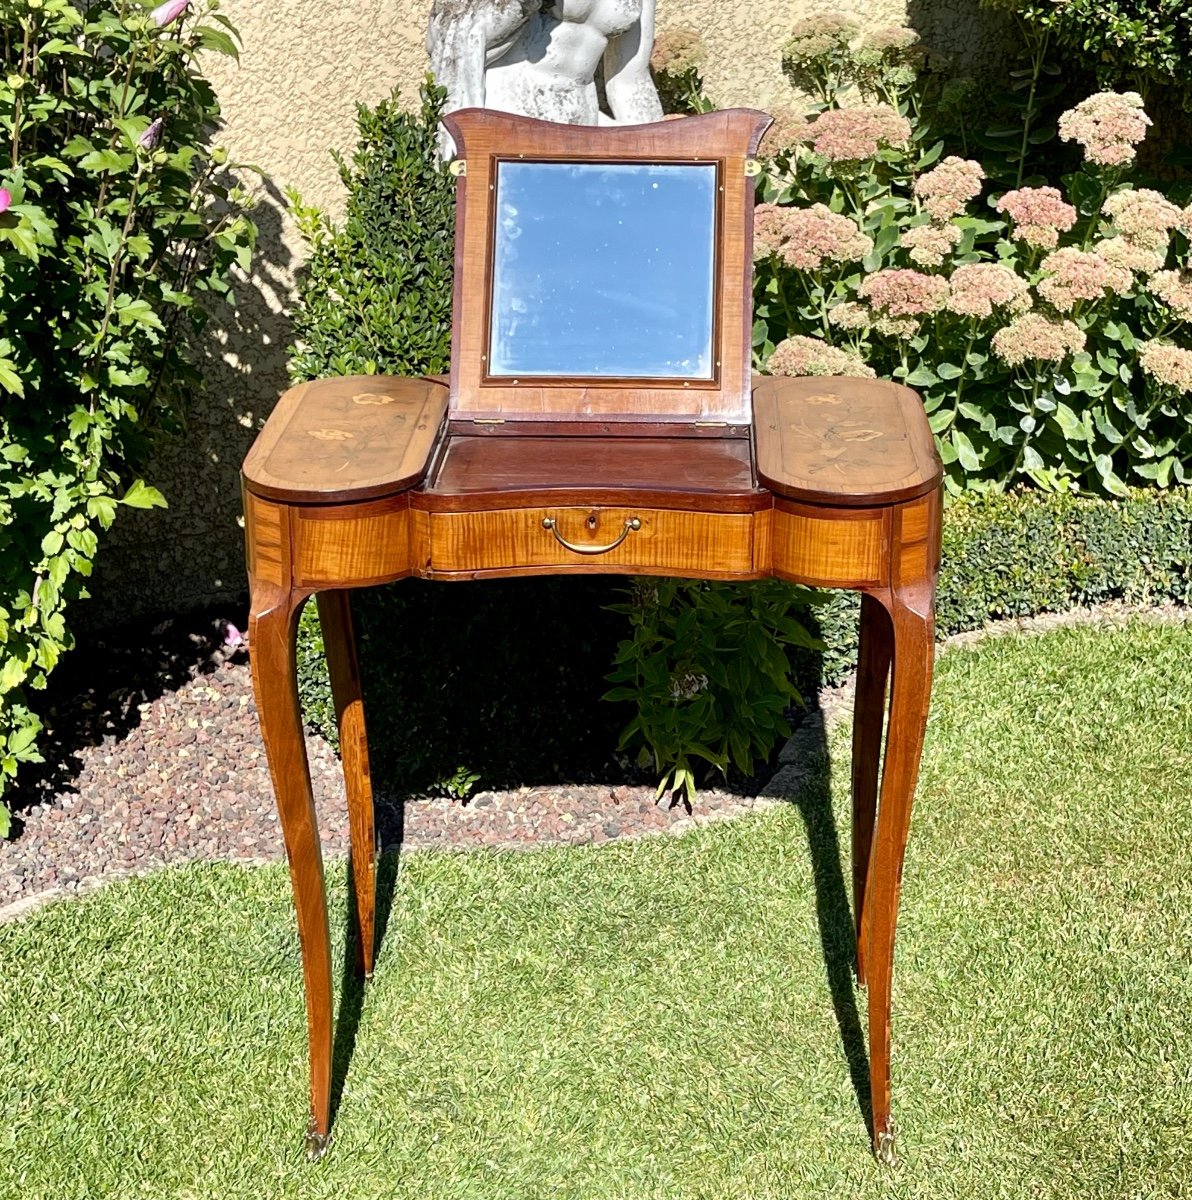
1036	70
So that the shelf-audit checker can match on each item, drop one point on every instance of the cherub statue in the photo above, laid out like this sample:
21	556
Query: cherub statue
540	58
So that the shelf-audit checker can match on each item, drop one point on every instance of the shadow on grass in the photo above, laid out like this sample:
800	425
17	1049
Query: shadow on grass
812	797
352	987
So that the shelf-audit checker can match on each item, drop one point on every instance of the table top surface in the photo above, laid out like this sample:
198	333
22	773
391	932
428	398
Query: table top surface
826	440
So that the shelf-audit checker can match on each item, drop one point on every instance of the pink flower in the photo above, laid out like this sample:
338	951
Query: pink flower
809	356
816	37
233	638
1174	288
786	131
1129	255
1109	125
1145	216
1167	364
1076	275
170	11
1039	215
849	315
978	288
808	238
900	292
677	51
5	199
947	188
152	136
928	245
1037	337
853	134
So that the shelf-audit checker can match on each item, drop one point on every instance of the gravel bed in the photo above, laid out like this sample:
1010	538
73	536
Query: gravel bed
154	757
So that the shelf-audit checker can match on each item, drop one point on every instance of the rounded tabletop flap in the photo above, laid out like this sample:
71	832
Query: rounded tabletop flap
831	439
348	438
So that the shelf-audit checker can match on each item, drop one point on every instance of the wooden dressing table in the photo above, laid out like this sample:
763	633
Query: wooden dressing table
686	466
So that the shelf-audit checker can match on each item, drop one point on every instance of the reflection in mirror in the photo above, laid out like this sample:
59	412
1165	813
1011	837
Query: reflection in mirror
604	270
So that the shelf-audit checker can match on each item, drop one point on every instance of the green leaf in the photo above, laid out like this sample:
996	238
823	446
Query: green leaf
105	160
965	451
1070	424
217	40
141	495
141	312
947	370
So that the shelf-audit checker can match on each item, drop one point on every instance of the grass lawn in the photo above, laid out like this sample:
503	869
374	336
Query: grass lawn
674	1018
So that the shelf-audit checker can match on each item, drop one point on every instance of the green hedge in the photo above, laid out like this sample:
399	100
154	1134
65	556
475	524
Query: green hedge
440	661
1034	552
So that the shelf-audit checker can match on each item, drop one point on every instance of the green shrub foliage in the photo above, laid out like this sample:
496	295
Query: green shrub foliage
116	225
375	295
1137	43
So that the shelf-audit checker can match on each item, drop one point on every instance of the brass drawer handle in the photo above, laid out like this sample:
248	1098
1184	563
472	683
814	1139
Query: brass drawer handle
632	524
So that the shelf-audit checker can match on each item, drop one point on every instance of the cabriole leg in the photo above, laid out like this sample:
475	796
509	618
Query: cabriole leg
339	642
273	623
873	671
913	628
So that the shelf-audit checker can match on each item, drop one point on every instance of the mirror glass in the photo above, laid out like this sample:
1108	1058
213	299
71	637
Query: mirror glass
603	269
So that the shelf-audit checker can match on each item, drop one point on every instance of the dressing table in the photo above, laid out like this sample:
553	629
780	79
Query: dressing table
600	416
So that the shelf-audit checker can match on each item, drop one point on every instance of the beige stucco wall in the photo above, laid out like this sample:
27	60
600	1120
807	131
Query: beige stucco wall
291	99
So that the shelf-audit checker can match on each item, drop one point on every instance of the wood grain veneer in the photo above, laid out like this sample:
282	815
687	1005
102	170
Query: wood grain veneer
842	441
348	438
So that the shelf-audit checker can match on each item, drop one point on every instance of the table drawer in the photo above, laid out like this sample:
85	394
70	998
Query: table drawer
646	540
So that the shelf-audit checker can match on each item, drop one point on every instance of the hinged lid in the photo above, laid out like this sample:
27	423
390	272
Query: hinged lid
603	273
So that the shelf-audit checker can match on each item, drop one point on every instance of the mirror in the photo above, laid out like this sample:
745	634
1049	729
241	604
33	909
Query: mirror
603	270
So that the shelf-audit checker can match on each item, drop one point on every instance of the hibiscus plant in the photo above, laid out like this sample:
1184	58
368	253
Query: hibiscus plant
118	222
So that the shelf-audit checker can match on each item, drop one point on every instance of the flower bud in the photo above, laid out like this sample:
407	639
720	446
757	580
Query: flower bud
5	199
168	12
152	136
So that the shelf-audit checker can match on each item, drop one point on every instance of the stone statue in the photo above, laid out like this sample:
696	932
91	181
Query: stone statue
540	58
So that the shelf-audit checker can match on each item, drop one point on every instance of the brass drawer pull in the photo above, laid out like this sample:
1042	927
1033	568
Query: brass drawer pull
632	524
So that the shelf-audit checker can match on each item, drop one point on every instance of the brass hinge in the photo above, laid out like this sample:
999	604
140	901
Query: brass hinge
488	420
458	167
752	168
710	424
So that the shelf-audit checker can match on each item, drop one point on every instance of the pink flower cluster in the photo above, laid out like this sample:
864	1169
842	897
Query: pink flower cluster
1034	336
1109	125
892	40
853	134
901	292
929	244
849	315
815	37
948	187
677	51
976	289
1144	216
1075	275
1040	215
807	238
1167	364
787	130
1174	288
5	199
809	356
1128	255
